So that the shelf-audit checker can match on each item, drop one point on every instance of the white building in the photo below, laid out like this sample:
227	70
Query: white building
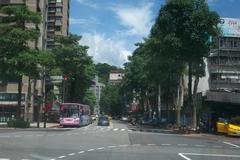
115	76
96	88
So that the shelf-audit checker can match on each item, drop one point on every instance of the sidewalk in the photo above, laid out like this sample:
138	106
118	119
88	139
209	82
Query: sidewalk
33	125
149	128
48	125
221	138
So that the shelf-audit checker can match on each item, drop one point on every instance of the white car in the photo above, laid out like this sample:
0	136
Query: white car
124	118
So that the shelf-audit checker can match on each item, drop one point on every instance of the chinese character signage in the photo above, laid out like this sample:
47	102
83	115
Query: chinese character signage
230	27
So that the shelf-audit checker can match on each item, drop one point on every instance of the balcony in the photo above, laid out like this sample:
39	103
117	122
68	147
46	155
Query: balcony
58	23
4	1
51	1
234	69
221	96
59	4
220	85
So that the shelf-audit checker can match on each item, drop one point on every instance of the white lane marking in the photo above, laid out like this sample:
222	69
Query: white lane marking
122	129
90	150
81	152
4	159
211	155
183	156
115	129
166	144
53	159
136	144
151	144
71	154
100	148
60	157
199	145
231	144
182	144
112	146
123	145
129	130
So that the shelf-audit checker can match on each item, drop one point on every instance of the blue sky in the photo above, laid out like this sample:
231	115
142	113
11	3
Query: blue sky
111	27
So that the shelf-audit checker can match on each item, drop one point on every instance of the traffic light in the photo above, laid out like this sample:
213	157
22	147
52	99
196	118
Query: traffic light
65	78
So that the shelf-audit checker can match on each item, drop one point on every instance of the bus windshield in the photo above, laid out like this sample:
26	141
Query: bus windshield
70	111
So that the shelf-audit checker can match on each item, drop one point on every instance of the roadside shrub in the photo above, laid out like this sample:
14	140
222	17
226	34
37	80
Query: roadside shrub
18	124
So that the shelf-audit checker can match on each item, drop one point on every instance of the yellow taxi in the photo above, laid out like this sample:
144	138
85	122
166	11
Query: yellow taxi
231	128
222	125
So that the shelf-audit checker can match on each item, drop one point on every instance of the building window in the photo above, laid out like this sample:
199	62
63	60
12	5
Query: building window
59	1
51	1
59	10
235	44
58	18
50	18
51	9
50	27
58	28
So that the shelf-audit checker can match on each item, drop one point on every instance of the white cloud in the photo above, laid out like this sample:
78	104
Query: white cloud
88	4
105	50
212	2
82	21
137	19
78	21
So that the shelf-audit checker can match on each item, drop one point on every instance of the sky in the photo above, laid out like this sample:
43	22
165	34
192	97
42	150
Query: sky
111	28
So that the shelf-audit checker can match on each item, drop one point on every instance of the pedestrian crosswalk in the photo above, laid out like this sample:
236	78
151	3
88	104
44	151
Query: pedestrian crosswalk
105	129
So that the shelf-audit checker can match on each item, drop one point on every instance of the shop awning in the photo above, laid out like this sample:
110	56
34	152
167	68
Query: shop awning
10	103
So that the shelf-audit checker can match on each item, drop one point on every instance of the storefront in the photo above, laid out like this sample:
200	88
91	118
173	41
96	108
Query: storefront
9	106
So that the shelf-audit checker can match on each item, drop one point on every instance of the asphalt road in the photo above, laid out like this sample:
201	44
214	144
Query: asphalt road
116	142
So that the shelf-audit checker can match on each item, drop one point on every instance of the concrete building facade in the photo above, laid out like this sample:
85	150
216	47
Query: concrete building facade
224	64
59	20
97	88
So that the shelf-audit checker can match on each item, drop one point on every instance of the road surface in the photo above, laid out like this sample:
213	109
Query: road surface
115	142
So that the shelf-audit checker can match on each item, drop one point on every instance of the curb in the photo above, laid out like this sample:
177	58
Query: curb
54	126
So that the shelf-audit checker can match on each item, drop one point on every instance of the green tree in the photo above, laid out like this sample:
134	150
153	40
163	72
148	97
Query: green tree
184	27
17	58
90	99
111	102
75	64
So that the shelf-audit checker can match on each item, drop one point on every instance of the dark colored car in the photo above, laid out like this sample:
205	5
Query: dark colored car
103	121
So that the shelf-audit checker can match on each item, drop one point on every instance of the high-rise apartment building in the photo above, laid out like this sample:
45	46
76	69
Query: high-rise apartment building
57	20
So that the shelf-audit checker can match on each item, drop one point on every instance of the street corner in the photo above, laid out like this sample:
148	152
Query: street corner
192	156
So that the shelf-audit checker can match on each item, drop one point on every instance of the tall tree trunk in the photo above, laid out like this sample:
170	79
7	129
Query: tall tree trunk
190	99
159	103
180	100
19	97
28	98
196	81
